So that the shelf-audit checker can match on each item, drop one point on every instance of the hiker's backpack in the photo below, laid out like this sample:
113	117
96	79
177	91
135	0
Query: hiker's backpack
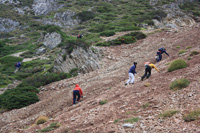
161	49
15	64
147	63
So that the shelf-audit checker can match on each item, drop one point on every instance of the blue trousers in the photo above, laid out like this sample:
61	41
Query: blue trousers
76	93
159	56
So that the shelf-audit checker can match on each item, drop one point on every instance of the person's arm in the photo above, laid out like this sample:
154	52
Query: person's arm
81	92
155	68
166	53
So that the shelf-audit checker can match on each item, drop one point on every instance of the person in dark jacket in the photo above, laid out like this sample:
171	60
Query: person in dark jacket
131	74
79	36
77	92
159	54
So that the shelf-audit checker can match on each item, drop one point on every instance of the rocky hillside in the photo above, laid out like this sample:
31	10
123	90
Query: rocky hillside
42	35
124	103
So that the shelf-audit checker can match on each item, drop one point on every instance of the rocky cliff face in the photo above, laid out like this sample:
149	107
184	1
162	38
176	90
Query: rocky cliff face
51	40
8	25
43	7
85	60
175	17
10	1
62	19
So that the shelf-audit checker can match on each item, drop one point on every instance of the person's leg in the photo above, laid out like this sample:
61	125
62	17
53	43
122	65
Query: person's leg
74	97
149	71
129	79
132	78
145	74
79	96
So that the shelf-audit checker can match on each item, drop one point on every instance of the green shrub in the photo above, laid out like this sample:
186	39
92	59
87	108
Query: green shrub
14	99
137	35
41	120
74	72
146	105
188	47
53	126
194	53
132	120
179	84
10	60
168	113
103	102
181	51
41	80
117	120
191	116
189	58
177	64
178	47
86	15
107	33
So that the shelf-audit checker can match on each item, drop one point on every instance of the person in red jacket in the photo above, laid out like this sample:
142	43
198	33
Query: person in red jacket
77	92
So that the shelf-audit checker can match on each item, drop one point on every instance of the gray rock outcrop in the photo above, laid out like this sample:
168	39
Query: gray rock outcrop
43	7
9	1
175	17
85	60
63	19
51	40
8	25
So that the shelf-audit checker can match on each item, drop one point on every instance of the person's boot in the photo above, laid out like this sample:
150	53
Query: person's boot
142	78
125	84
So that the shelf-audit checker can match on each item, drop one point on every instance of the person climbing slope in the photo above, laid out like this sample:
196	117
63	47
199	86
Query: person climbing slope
79	36
17	66
148	67
77	92
131	74
159	54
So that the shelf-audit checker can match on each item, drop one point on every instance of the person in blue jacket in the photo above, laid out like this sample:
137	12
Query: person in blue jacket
131	74
159	54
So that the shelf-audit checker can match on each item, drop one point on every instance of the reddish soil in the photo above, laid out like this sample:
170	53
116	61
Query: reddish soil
124	102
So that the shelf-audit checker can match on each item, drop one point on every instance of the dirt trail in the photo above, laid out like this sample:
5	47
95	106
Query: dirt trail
124	102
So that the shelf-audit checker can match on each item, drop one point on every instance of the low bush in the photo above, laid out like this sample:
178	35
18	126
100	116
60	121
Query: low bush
168	113
41	80
41	120
146	105
194	53
179	84
85	15
181	51
15	99
107	33
132	120
191	116
137	35
53	126
177	64
103	102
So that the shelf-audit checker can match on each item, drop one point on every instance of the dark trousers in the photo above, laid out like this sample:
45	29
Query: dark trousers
76	93
160	56
147	70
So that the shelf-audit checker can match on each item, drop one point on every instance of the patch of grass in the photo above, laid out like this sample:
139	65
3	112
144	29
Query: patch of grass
168	113
41	120
179	84
177	64
192	115
178	46
53	126
107	33
189	58
103	102
147	84
194	53
117	120
132	120
146	105
188	47
181	52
